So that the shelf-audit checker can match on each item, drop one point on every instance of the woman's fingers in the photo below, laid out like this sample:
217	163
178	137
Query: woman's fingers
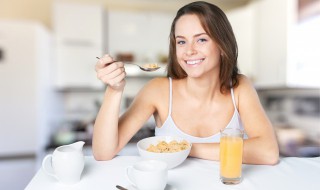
112	77
110	72
103	62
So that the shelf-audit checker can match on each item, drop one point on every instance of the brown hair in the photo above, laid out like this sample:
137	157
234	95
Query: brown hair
215	23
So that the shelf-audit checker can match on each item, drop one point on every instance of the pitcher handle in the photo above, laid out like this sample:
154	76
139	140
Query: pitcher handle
128	175
44	163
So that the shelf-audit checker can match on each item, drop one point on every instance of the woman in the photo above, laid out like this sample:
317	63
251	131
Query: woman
203	93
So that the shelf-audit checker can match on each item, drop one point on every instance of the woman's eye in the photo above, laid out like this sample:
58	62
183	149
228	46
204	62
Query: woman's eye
181	42
202	40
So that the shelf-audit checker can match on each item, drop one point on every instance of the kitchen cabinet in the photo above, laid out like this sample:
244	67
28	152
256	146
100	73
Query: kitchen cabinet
144	34
15	174
279	48
242	22
79	37
275	50
304	57
274	19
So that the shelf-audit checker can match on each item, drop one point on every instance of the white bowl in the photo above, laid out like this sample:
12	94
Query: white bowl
173	159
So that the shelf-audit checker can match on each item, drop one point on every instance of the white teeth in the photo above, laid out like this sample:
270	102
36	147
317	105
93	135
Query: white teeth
193	62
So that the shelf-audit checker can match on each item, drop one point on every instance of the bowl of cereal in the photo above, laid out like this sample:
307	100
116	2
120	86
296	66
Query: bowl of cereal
173	150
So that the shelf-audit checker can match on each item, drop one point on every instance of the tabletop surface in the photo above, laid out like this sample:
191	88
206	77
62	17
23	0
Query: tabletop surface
290	173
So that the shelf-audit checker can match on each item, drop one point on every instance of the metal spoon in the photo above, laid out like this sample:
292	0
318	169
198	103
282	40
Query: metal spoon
120	187
148	69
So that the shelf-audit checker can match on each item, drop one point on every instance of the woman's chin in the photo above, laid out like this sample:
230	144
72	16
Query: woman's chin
194	75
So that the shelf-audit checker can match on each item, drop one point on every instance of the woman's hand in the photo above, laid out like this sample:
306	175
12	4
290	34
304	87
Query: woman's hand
110	72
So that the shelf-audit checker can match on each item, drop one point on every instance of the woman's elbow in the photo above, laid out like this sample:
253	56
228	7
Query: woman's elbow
272	156
274	160
98	156
268	155
102	157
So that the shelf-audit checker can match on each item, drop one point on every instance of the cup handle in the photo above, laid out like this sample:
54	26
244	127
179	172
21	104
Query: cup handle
128	175
44	164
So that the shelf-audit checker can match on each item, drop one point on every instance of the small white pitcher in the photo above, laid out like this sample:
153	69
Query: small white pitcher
67	163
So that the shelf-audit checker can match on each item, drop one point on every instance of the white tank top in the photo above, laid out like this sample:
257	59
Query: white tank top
169	128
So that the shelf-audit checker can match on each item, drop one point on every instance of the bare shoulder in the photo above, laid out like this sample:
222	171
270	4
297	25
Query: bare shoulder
157	85
245	93
244	81
245	90
245	85
155	89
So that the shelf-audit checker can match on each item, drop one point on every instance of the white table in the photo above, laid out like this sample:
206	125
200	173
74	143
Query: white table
194	174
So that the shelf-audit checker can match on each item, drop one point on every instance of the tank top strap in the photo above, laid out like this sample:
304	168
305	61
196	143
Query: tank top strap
170	95
233	99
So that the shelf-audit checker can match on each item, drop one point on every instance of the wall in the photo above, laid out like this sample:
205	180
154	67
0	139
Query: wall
242	20
40	10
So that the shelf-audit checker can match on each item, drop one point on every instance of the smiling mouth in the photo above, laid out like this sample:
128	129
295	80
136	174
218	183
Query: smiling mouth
193	62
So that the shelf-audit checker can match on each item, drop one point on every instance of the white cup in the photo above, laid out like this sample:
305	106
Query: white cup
148	174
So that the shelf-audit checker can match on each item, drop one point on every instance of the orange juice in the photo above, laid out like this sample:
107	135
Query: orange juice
231	148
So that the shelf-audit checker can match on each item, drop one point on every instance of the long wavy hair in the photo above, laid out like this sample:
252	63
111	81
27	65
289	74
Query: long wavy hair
217	26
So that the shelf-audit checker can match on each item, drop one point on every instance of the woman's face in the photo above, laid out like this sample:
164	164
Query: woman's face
196	52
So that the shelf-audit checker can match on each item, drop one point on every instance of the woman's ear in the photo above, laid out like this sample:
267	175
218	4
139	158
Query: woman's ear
221	52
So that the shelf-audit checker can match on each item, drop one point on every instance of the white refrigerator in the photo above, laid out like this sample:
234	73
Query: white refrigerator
28	102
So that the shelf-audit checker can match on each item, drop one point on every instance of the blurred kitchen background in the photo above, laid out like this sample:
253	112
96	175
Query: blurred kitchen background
49	91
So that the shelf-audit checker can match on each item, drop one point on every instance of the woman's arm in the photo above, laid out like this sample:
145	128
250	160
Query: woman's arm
112	133
261	146
105	134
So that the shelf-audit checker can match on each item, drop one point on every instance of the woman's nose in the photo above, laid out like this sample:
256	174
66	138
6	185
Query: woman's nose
191	50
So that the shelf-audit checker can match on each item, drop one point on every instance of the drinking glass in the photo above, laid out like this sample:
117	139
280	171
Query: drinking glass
231	149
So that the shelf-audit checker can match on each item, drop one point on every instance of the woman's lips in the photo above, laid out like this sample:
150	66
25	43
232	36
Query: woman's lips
194	62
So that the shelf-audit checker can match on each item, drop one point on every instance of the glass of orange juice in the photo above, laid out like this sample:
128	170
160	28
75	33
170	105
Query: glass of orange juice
231	149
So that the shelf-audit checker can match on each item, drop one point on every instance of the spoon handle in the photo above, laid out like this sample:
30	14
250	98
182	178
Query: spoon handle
141	67
120	187
107	63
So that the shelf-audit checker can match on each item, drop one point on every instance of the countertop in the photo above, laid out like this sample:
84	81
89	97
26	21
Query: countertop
290	173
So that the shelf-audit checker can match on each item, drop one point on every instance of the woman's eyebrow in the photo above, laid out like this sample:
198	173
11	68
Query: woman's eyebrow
180	37
196	35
